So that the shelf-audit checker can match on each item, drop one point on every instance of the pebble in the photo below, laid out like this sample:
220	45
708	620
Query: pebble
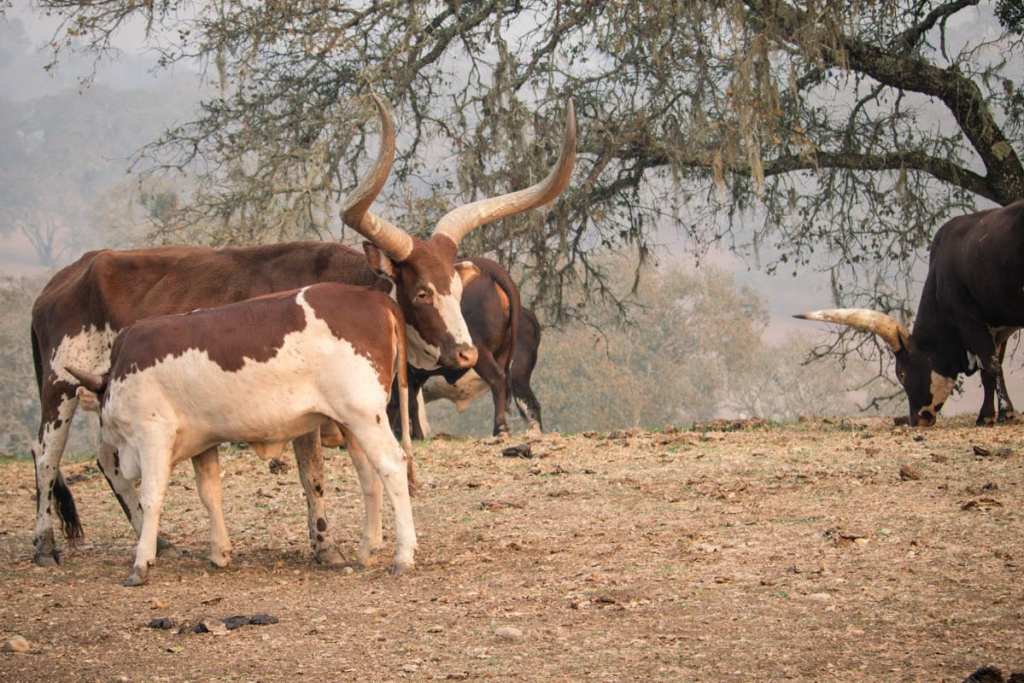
909	472
508	633
17	645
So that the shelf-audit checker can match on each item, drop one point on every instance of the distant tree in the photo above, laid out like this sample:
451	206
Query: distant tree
839	132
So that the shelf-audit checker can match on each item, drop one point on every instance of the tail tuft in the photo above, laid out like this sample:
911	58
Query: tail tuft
66	511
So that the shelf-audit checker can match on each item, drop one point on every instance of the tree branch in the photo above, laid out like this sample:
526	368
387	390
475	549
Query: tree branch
908	40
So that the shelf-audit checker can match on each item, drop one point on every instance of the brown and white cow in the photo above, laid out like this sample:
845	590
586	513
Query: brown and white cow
266	370
81	309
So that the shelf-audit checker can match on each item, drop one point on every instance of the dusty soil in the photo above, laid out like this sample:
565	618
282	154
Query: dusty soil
768	553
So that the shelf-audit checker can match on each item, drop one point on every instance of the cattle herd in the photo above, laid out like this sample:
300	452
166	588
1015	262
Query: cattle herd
183	348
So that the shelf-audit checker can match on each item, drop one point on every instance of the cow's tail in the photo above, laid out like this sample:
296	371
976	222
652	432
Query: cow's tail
67	511
402	371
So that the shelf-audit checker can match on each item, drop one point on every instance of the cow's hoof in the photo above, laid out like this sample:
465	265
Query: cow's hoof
46	558
986	421
136	578
329	557
366	552
220	560
399	568
1008	417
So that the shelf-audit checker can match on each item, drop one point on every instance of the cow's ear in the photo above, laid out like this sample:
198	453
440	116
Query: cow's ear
467	271
380	262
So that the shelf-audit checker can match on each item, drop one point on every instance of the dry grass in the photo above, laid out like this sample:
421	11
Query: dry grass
760	554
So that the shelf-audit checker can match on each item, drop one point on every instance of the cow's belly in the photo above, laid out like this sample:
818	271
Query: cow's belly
462	393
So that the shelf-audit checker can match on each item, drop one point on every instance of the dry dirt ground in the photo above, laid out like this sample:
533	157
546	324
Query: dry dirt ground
767	553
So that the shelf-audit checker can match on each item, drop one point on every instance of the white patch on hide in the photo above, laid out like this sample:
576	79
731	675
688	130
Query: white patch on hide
973	362
942	387
421	354
449	307
312	375
89	350
462	393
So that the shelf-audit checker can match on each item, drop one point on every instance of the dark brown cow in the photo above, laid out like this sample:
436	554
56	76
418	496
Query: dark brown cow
79	312
178	385
972	302
506	336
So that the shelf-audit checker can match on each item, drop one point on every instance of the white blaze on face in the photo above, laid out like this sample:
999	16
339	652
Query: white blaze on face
449	307
426	356
942	387
89	350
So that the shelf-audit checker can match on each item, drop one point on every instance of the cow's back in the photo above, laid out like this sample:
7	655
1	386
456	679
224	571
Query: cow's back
113	289
977	263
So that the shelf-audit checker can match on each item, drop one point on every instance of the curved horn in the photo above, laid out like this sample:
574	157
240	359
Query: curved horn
355	211
458	222
885	326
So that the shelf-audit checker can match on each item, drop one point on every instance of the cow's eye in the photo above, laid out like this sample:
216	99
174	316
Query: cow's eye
423	296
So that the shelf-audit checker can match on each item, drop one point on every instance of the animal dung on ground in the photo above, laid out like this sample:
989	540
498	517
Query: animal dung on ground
518	451
277	466
993	674
981	504
162	623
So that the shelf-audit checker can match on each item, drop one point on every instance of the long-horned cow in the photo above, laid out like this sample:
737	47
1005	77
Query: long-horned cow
179	385
972	302
506	337
78	314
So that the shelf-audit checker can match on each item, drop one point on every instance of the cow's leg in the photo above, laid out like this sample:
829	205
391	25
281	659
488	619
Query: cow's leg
387	457
207	470
978	340
421	415
1006	412
417	411
526	401
310	459
52	494
494	374
155	460
373	535
124	491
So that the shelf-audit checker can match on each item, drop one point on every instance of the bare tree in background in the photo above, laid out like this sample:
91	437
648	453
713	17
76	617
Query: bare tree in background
848	131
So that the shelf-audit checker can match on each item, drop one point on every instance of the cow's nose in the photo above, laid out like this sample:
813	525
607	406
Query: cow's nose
466	355
926	418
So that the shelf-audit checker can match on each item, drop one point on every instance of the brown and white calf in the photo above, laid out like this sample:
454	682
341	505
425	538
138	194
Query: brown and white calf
266	370
81	309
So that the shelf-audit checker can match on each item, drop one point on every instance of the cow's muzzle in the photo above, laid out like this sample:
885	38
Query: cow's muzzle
460	357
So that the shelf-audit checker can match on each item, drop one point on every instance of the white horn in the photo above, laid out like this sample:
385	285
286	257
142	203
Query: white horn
885	326
460	221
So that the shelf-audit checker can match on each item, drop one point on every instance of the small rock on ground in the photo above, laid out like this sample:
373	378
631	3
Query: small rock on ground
17	645
508	633
909	472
